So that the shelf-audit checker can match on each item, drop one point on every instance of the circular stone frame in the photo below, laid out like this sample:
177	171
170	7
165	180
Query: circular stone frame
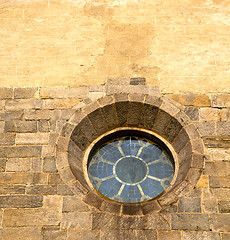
159	116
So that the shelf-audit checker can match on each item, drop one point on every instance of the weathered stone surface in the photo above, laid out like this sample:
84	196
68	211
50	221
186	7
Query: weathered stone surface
41	189
182	118
161	122
209	114
93	200
49	165
21	201
200	235
172	130
74	204
190	221
219	181
224	206
193	113
110	114
26	233
152	206
180	141
20	126
220	222
225	236
137	81
217	193
38	114
31	217
217	141
220	100
220	168
79	139
54	179
110	207
46	125
53	233
2	164
108	221
11	115
20	151
128	209
64	190
25	92
6	93
12	189
87	128
160	221
17	104
75	220
128	234
134	113
7	139
190	99
23	178
32	138
36	164
54	104
206	128
67	130
172	235
209	206
149	113
98	121
223	128
189	205
122	112
83	235
225	114
18	165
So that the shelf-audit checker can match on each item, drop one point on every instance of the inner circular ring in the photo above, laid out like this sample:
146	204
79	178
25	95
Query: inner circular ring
130	169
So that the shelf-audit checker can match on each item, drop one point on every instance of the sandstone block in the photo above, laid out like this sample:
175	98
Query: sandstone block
17	104
6	93
220	222
74	204
98	121
7	139
219	181
220	100
209	114
20	126
200	235
11	115
53	233
76	220
12	189
60	103
160	221
108	221
41	189
172	235
189	205
26	233
25	92
217	168
49	165
193	113
31	217
38	114
190	222
2	164
224	206
127	234
217	141
21	201
32	138
18	165
20	151
223	128
206	128
64	190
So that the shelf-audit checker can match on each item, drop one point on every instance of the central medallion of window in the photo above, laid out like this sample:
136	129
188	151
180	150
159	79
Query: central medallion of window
130	167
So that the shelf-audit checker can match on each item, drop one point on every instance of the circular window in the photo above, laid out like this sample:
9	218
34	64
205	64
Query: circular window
130	166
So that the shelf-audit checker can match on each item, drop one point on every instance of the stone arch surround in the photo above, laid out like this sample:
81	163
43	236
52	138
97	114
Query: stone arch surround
160	115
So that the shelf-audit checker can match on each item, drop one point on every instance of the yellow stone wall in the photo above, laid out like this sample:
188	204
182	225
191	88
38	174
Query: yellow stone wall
178	45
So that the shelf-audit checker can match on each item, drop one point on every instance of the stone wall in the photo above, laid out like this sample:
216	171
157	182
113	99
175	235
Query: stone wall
181	46
36	204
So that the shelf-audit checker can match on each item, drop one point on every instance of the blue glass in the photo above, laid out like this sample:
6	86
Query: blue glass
130	169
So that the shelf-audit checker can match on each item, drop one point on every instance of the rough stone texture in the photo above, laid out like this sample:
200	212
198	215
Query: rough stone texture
220	100
21	233
53	233
220	222
84	235
20	126
172	235
25	92
190	221
189	205
200	235
159	221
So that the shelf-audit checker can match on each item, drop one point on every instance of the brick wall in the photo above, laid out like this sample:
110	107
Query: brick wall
36	204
